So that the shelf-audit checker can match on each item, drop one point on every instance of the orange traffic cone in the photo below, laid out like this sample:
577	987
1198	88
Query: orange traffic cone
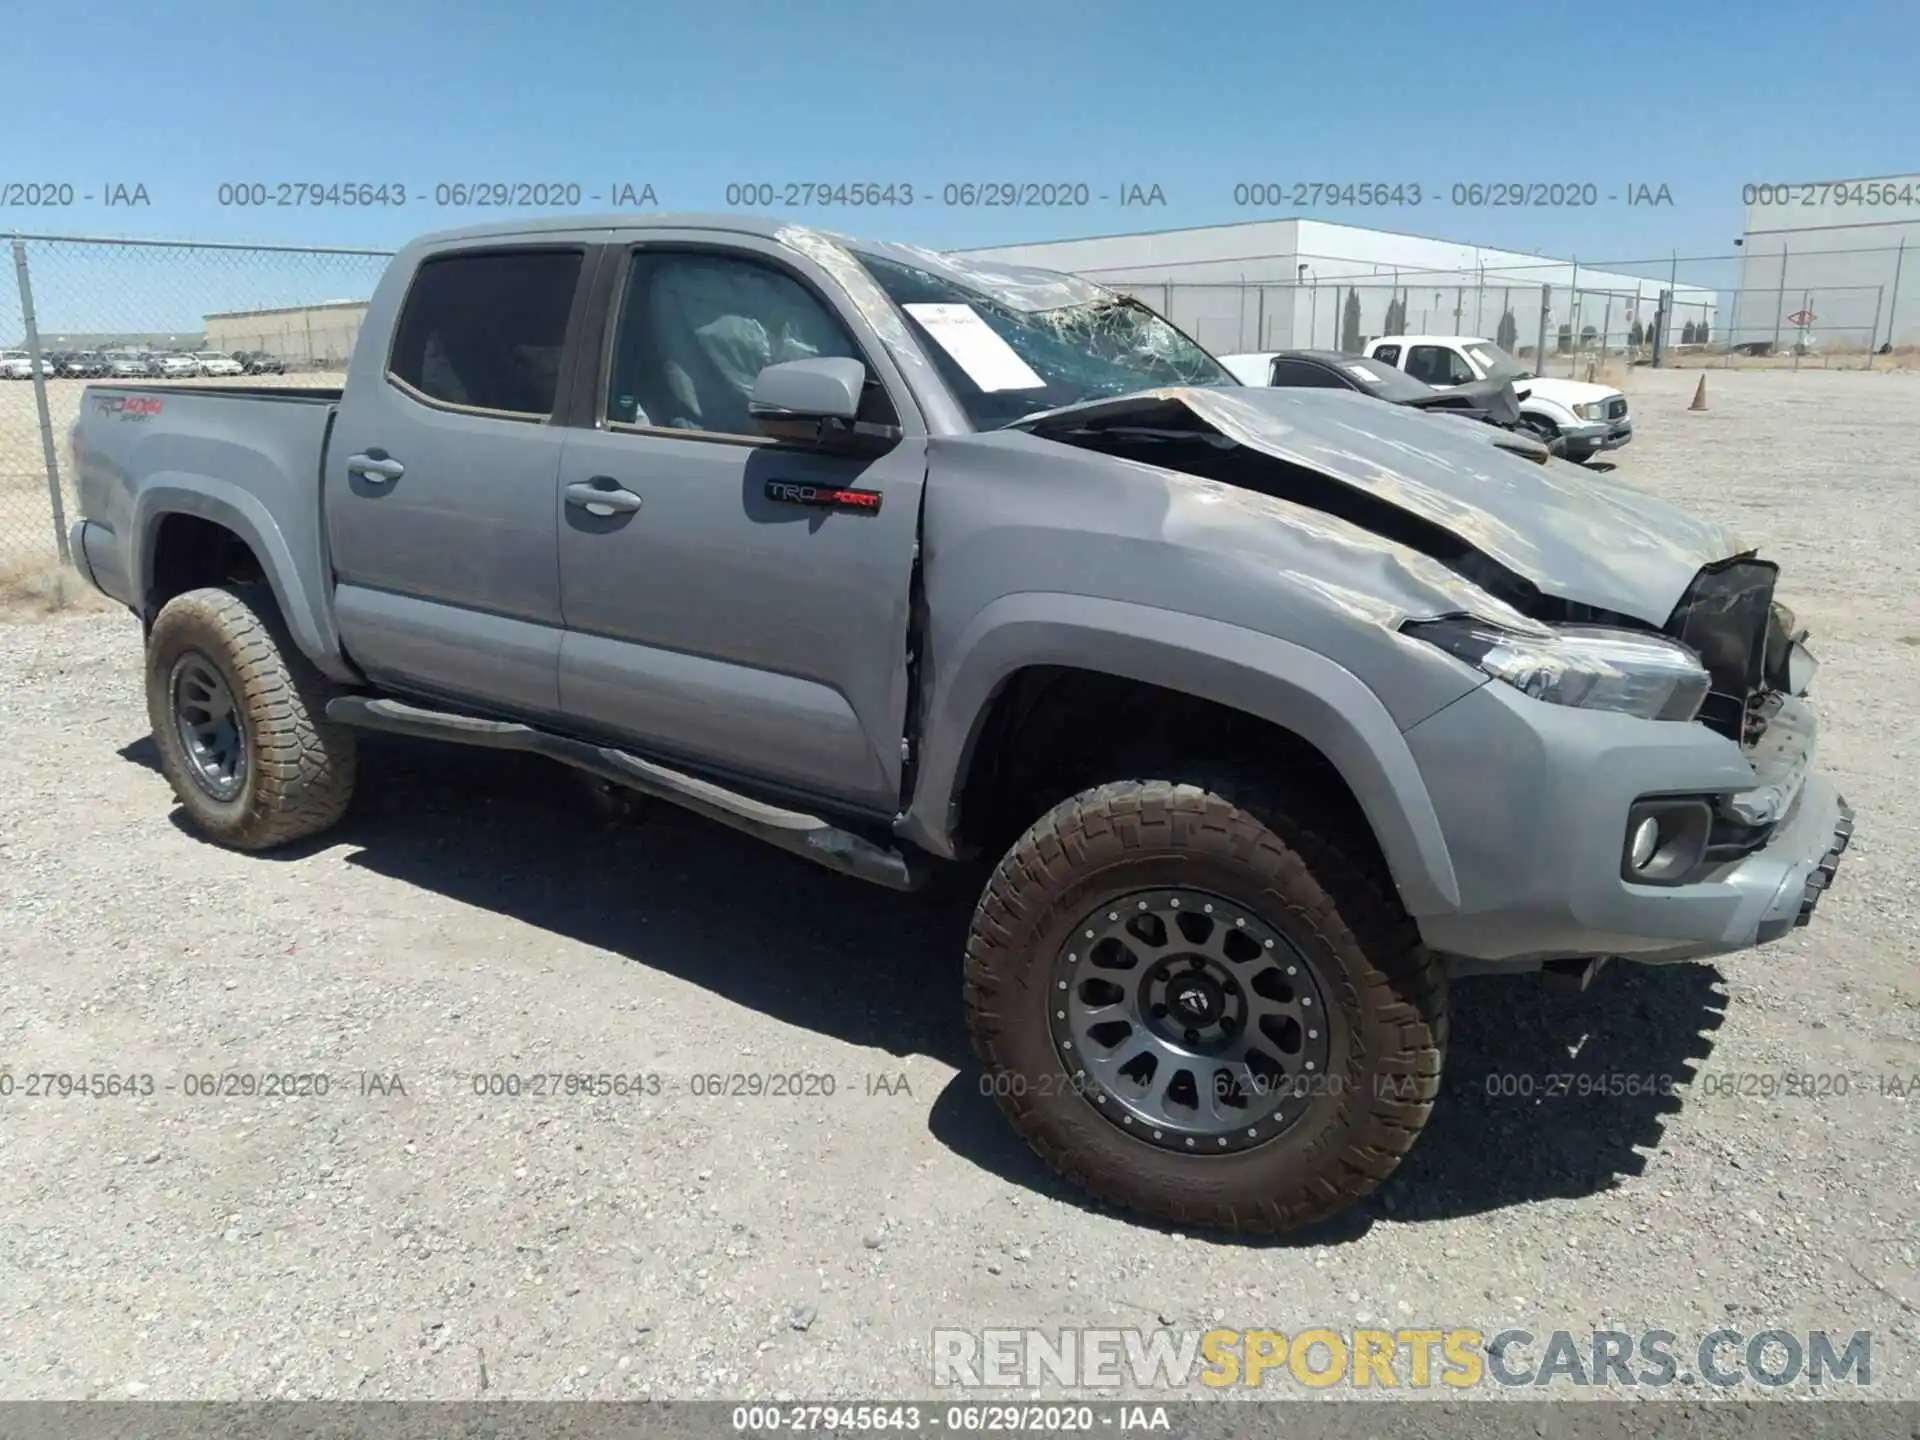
1699	395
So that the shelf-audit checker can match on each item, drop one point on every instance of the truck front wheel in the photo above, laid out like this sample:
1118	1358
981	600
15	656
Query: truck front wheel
239	718
1200	1008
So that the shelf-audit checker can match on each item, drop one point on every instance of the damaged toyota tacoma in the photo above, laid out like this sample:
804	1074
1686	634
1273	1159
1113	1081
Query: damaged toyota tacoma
1275	707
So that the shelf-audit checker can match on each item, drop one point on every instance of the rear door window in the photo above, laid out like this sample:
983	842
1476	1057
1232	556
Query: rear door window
485	331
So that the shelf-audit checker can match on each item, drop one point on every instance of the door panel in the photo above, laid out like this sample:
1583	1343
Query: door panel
457	651
439	484
753	636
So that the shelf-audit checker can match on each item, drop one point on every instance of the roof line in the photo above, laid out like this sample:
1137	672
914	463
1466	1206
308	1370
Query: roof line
1855	180
286	309
1405	272
1848	225
1238	224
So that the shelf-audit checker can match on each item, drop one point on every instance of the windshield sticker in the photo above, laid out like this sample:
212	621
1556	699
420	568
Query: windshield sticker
976	347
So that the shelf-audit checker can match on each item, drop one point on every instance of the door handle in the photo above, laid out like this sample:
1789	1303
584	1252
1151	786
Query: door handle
376	467
602	495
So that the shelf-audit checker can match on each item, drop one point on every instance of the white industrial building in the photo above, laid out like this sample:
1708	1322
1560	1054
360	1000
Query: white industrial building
1308	284
1832	263
318	337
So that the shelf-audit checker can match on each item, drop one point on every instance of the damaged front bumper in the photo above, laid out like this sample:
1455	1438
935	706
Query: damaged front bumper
1816	883
1536	844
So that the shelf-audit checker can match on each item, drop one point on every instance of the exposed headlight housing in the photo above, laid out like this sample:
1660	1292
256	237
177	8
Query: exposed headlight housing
1593	410
1588	667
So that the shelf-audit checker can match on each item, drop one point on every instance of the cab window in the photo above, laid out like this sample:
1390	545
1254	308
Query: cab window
485	331
697	328
1439	365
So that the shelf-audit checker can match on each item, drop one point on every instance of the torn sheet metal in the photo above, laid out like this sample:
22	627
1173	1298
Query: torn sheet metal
1352	569
1781	758
1575	534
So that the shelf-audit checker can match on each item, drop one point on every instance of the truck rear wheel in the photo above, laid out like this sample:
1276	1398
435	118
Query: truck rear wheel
239	718
1200	1008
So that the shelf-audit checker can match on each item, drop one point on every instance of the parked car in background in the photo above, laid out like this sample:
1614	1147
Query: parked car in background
176	366
1492	402
259	362
1587	418
1281	706
84	365
18	365
215	362
126	365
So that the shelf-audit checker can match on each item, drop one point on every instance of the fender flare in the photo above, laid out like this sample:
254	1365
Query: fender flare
309	619
1280	682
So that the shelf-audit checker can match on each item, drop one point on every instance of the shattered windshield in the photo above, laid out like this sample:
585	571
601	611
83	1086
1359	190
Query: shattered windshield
1006	357
1498	364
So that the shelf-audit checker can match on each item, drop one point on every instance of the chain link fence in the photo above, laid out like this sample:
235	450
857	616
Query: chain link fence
76	311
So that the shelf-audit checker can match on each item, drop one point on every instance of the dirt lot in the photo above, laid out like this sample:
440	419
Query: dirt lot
471	917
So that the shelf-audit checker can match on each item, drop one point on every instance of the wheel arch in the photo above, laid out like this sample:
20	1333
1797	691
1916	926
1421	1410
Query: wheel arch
1242	672
171	517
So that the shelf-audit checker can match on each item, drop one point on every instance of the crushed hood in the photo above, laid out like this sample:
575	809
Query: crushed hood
1570	533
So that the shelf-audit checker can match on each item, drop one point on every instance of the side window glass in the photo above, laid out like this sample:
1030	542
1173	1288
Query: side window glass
695	332
1387	354
1302	373
1428	363
1459	372
485	331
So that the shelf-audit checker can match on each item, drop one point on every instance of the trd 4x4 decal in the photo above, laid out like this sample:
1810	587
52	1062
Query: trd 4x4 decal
128	407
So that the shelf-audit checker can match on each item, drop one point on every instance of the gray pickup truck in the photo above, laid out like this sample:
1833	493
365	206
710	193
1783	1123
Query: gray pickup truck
1277	707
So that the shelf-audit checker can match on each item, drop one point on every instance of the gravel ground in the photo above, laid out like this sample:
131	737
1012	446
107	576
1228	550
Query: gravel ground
472	916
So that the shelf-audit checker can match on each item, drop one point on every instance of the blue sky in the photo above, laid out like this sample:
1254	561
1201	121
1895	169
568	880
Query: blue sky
1194	97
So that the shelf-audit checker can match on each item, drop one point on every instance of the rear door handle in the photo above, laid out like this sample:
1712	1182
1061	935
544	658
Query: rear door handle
602	495
376	466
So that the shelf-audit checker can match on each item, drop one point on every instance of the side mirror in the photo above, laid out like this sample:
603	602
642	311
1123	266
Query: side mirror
815	402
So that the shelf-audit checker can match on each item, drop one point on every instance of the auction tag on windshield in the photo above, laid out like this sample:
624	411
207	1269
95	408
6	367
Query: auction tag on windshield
976	347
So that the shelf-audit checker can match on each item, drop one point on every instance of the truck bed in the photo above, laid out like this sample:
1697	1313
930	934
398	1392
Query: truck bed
246	457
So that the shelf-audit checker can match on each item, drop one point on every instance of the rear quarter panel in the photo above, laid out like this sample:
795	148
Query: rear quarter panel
250	463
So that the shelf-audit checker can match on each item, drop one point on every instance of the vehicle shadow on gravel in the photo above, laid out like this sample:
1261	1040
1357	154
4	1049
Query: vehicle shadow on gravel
516	835
1547	1094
